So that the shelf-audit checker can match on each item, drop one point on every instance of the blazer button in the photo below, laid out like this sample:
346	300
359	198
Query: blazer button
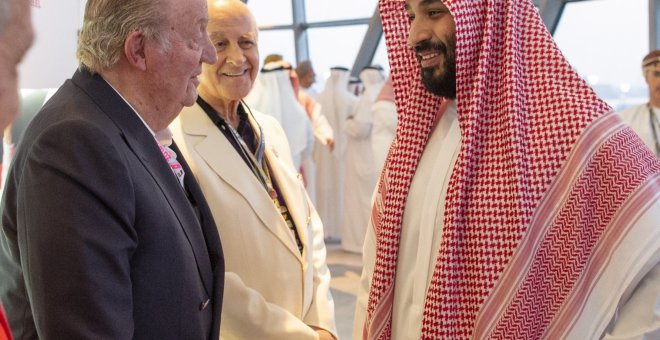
204	304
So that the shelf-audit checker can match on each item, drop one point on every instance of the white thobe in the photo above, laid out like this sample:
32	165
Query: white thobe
360	176
311	91
322	132
384	130
638	317
336	105
638	118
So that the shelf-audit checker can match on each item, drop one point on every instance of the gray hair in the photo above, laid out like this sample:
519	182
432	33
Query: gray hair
107	23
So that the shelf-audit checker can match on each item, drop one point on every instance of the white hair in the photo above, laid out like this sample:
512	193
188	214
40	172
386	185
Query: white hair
107	23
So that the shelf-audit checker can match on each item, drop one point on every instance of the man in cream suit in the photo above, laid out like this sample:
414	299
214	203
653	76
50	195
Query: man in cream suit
277	280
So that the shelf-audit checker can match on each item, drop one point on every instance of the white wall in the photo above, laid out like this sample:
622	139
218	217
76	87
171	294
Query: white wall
52	58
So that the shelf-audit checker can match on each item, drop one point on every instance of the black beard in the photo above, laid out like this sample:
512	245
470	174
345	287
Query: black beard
445	84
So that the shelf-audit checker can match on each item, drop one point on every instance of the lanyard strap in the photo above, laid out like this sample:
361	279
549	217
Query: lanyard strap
254	160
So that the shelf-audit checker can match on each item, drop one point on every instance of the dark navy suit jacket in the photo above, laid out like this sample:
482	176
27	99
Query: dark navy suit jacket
99	240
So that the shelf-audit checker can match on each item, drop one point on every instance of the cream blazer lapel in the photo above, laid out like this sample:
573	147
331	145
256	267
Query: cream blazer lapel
292	189
223	159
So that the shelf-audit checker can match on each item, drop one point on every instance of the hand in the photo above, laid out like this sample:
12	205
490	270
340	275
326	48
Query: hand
330	143
323	334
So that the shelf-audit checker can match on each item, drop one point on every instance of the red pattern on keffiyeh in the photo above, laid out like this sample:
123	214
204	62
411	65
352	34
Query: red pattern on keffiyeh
521	109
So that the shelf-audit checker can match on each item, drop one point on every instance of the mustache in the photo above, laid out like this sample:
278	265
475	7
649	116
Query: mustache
427	45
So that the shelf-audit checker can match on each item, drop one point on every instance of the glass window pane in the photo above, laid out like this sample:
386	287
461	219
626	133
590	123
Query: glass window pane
324	10
380	57
605	41
347	41
271	12
277	42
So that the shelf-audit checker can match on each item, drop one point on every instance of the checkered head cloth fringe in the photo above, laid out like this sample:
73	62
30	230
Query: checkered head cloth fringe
521	109
35	3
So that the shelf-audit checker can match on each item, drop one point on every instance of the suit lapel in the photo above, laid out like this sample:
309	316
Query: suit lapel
144	145
292	190
222	158
211	236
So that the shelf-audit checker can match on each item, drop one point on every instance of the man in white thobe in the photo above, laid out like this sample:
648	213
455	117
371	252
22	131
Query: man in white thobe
361	172
499	215
645	118
336	105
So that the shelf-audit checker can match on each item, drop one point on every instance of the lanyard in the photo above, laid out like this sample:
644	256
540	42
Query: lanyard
254	160
653	120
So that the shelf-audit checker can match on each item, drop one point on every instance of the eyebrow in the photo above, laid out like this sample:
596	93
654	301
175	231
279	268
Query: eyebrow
424	3
429	2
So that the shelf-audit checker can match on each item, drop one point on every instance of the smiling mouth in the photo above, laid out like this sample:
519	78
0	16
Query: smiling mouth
428	56
429	59
233	75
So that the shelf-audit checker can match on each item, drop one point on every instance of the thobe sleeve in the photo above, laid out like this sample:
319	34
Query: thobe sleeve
359	125
322	129
639	316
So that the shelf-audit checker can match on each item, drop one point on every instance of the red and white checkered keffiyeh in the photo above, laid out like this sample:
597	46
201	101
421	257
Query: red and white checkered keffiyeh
522	110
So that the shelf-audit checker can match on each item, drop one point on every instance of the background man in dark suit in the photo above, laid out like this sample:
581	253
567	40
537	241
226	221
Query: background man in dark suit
104	234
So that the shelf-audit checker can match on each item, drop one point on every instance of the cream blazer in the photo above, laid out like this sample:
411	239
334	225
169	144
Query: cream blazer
271	291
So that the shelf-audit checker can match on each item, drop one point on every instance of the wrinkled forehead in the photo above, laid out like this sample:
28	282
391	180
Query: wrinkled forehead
223	14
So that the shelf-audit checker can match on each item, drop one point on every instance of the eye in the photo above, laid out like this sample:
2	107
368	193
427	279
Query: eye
247	44
220	45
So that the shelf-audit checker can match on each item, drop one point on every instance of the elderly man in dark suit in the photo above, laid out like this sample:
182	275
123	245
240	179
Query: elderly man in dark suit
105	233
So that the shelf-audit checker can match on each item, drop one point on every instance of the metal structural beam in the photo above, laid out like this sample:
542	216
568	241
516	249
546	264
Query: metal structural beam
300	30
550	11
336	23
654	25
369	44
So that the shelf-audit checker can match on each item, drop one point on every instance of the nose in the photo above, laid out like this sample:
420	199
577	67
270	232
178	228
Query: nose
418	32
235	54
208	51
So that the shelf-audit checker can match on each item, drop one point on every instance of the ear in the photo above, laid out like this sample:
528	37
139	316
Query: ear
134	49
